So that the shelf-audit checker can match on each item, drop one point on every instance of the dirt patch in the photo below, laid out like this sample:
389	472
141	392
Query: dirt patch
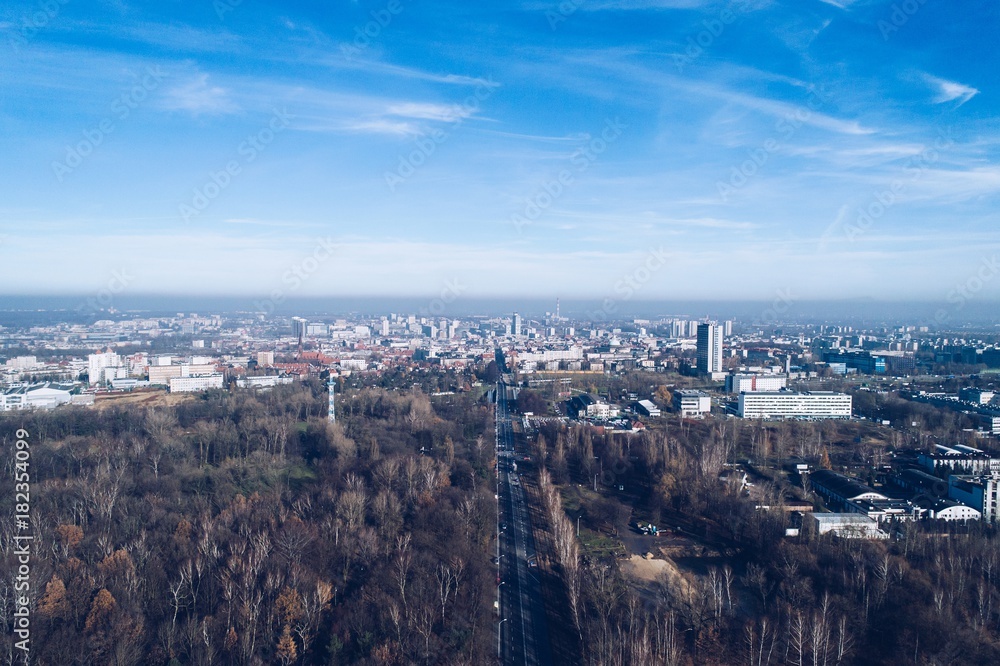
648	575
153	398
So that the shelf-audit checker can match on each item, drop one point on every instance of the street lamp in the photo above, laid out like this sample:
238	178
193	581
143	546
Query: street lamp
500	634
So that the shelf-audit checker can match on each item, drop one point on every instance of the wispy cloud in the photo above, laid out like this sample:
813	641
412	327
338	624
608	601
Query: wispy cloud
949	91
198	96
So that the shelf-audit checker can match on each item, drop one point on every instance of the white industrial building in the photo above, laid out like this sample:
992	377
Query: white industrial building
35	396
960	459
263	381
692	403
978	492
795	405
846	525
647	408
189	384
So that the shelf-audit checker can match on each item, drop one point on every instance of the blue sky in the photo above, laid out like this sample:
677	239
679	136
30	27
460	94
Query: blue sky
633	149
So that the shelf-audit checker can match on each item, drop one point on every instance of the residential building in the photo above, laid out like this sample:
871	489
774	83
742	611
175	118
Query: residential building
98	363
709	348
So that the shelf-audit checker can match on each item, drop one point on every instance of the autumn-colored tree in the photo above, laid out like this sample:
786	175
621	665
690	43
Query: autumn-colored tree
68	537
288	606
287	651
100	612
54	605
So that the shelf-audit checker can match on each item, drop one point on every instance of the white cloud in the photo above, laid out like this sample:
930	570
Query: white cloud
199	97
949	91
447	113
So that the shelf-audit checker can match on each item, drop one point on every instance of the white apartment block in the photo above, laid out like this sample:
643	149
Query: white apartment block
793	405
97	364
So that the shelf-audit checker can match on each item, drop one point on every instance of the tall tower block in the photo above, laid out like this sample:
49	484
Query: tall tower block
331	415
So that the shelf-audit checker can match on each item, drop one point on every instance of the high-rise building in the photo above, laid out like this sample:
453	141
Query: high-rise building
727	328
98	366
709	348
299	326
517	325
331	414
384	327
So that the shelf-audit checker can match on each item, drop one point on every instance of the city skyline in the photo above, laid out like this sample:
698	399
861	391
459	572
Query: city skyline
627	151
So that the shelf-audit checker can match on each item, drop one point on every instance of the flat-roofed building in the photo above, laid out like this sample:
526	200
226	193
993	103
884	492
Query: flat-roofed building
189	384
795	405
846	525
978	492
691	403
753	382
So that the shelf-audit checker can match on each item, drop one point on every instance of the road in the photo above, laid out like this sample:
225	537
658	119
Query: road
523	635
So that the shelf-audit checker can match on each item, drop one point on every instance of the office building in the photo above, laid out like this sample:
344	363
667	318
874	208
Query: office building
692	404
793	405
299	327
517	325
190	384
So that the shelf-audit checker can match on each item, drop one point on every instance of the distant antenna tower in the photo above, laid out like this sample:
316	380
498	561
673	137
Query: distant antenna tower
331	413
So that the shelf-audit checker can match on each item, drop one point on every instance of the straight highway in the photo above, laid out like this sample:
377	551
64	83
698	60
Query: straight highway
522	633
